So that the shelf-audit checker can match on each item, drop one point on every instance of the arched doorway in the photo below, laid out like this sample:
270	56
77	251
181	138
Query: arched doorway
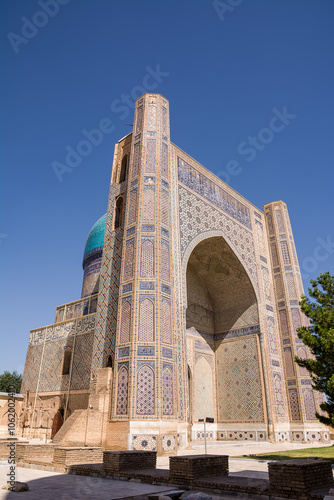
222	324
57	422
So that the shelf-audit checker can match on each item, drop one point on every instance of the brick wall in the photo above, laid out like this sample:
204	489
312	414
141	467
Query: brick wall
184	470
116	435
76	455
24	451
298	477
118	461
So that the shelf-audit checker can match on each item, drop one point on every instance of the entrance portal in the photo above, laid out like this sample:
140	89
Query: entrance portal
222	326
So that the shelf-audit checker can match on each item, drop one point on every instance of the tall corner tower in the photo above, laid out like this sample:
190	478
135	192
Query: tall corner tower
136	320
303	402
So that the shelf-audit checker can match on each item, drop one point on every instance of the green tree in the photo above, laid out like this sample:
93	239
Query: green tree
319	337
9	380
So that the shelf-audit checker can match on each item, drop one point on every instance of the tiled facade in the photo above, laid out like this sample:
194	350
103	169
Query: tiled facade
192	301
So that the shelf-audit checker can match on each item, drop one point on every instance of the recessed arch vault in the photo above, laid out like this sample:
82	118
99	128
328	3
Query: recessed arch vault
220	295
222	322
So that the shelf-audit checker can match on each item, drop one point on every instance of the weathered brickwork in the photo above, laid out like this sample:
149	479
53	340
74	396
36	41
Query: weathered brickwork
70	456
115	462
296	478
185	470
189	305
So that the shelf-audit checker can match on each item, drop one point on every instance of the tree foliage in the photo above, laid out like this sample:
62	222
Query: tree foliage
319	337
9	380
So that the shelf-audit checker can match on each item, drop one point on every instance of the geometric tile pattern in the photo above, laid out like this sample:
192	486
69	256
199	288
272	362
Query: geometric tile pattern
164	160
200	435
296	321
164	269
270	223
82	357
283	323
266	284
166	321
145	391
167	391
139	119
274	254
191	226
309	404
145	442
51	358
152	117
282	436
122	392
279	287
271	334
147	258
128	263
297	436
31	368
125	321
279	220
148	203
168	442
150	156
290	285
146	321
294	404
215	194
239	386
237	435
132	207
285	252
313	436
278	397
106	323
164	120
135	163
164	217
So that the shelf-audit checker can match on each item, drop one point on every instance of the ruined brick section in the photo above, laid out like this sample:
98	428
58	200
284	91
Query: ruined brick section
71	456
296	478
118	461
25	451
185	470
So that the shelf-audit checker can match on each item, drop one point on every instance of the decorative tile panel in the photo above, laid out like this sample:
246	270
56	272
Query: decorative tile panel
213	193
147	258
125	325
148	203
146	321
145	391
150	156
167	390
122	392
166	321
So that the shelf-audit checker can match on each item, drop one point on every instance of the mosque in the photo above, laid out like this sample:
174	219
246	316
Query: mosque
189	309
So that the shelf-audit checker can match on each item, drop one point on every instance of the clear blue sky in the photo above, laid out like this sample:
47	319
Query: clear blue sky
227	72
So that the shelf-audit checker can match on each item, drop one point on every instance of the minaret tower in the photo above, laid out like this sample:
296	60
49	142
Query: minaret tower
147	353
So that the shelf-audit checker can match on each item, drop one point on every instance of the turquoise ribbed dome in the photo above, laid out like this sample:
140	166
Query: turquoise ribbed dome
95	238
